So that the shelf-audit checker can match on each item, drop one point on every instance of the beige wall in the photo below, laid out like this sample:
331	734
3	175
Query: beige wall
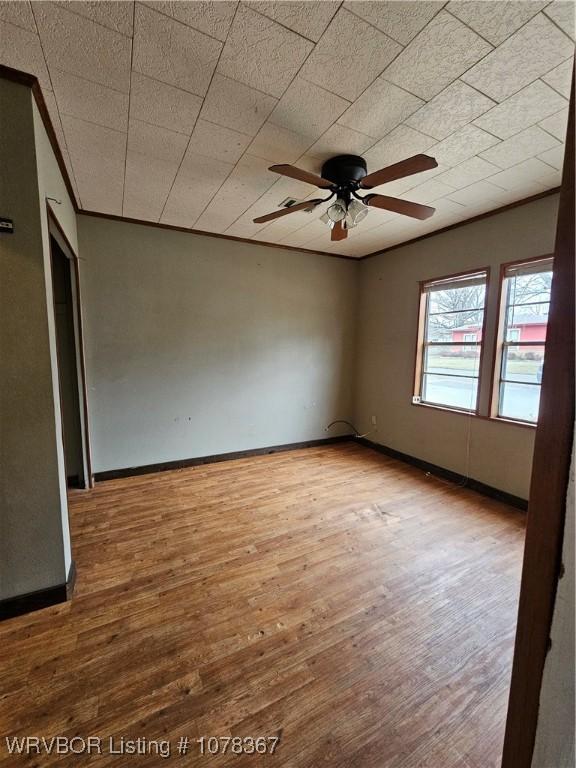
34	540
198	346
51	185
499	454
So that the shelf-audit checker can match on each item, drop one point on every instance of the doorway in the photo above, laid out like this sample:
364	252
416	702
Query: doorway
70	368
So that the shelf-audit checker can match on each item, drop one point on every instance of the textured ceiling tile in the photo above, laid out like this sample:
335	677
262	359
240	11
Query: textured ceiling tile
218	142
97	191
474	169
532	51
310	163
98	158
447	212
279	145
311	231
185	203
428	191
77	45
261	53
554	157
562	13
90	101
400	186
523	109
95	142
478	192
375	218
114	14
495	21
173	52
234	105
308	109
309	18
399	144
340	140
349	56
244	228
19	14
88	52
213	18
148	182
162	104
247	182
380	108
560	78
390	234
438	55
455	107
530	142
196	183
461	145
155	142
281	228
556	124
400	20
21	49
508	196
529	171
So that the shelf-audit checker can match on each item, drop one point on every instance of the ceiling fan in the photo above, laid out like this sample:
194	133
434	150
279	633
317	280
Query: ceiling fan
344	175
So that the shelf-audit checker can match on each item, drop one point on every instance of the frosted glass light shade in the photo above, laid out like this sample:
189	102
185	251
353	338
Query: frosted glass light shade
357	212
337	211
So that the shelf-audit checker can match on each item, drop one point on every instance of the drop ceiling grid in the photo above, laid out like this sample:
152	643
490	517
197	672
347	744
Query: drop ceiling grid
172	111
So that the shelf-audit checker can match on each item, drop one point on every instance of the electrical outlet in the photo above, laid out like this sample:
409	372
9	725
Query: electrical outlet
416	399
373	420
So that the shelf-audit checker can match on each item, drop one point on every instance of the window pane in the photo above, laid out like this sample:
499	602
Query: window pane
454	326
452	391
527	323
530	288
523	364
450	299
519	401
527	294
456	361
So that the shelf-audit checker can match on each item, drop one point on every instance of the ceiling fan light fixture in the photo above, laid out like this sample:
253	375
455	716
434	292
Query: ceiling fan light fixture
337	211
357	212
343	176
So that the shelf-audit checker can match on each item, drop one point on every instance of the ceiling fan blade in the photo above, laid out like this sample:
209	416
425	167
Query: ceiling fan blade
399	170
300	175
405	207
284	211
339	232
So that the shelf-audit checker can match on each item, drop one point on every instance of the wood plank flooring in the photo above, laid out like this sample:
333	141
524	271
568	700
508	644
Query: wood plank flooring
333	596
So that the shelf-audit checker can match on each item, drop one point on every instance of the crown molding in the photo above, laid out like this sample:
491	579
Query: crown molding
203	233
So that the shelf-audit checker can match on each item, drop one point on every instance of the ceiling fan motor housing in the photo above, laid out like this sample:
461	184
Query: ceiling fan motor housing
343	169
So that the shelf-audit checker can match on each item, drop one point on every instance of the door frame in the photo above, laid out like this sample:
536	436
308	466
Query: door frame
56	231
542	567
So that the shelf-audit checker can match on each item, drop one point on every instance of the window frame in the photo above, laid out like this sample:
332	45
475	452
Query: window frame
500	343
421	343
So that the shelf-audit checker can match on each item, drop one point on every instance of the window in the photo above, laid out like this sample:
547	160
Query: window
522	339
450	341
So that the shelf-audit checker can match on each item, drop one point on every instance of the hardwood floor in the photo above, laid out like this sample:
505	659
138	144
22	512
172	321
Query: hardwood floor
333	596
